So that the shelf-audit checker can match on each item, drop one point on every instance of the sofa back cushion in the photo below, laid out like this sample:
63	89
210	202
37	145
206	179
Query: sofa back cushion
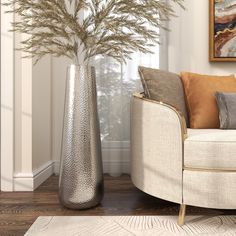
164	86
200	96
227	109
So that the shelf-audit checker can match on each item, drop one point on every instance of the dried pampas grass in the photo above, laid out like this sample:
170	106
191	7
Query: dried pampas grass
113	28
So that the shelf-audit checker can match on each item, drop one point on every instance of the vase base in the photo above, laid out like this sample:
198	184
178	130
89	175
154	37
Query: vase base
79	201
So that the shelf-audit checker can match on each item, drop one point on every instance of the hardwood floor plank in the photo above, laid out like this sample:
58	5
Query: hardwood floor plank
19	210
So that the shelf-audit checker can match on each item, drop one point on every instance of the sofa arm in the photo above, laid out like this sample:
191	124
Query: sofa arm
158	131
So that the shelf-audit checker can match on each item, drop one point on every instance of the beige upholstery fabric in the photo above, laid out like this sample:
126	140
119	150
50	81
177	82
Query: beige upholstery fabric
210	148
157	158
210	189
156	149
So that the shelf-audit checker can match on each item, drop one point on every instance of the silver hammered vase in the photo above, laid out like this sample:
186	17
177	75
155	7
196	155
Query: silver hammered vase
81	173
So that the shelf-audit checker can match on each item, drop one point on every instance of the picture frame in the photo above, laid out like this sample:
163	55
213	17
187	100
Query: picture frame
222	31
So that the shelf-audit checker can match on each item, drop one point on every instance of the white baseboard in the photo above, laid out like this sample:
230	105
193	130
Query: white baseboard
56	168
116	158
116	168
30	181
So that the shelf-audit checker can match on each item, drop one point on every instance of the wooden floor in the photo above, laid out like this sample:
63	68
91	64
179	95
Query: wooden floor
19	210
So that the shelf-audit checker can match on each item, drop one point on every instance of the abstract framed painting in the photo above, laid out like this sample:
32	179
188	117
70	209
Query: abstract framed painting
222	30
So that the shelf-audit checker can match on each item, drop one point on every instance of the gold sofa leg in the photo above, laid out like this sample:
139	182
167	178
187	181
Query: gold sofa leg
182	212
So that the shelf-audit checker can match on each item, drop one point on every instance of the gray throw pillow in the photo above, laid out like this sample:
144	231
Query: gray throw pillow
164	86
227	109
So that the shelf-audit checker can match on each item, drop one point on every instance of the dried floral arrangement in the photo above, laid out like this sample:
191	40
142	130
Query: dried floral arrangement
114	28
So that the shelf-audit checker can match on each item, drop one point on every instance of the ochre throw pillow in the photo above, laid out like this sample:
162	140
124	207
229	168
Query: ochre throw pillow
200	97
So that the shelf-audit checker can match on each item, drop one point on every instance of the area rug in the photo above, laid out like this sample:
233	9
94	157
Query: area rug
132	225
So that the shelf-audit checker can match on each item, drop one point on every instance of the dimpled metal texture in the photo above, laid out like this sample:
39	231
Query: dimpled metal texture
81	173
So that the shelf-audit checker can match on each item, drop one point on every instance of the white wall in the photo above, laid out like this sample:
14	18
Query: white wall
26	158
188	41
32	116
7	102
22	110
59	69
41	111
32	107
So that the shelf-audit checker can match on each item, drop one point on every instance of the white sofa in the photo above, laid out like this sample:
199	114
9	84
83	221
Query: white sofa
185	166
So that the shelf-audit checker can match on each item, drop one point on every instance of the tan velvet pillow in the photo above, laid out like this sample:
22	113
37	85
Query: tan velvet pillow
200	97
164	86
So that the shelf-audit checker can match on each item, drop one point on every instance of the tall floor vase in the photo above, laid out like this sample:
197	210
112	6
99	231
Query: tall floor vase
81	174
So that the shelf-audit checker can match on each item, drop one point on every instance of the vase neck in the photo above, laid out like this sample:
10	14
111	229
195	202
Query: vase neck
80	65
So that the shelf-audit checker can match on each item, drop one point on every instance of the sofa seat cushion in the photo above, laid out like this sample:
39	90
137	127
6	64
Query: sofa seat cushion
210	148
